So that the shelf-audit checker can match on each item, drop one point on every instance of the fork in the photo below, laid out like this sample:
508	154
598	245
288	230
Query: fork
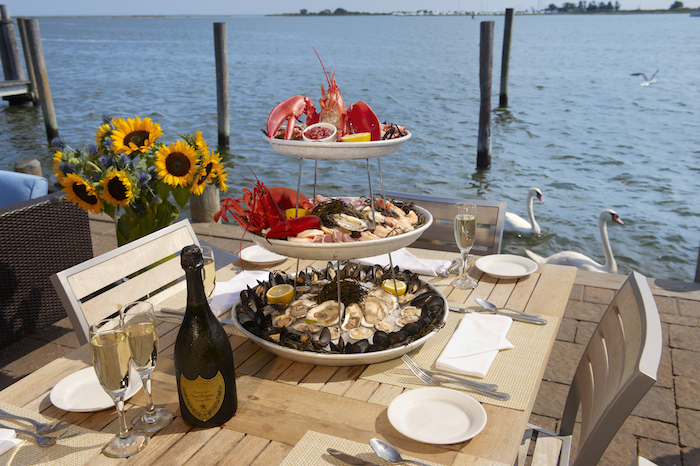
41	440
429	380
411	363
41	428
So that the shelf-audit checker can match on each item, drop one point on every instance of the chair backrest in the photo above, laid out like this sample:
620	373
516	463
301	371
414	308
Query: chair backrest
95	289
18	187
38	238
616	370
490	217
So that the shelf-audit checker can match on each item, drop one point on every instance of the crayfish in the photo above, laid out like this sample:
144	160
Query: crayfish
263	209
359	118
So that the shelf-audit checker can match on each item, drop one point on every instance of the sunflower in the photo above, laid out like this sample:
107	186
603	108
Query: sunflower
134	135
101	133
199	141
219	175
57	159
118	189
176	164
205	172
80	192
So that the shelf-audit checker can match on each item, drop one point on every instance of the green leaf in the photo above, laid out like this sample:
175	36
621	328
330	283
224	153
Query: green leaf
181	195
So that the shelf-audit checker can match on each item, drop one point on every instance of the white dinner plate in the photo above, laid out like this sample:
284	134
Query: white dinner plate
258	255
506	265
82	392
337	150
437	415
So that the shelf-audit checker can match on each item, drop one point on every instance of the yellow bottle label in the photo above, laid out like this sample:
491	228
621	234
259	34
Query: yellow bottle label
203	397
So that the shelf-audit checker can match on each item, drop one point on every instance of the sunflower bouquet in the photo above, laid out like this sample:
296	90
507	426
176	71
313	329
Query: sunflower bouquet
128	169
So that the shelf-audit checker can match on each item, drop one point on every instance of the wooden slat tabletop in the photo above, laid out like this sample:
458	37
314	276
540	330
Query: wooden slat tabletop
280	400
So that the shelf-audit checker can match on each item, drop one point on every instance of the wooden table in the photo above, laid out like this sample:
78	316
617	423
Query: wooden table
280	400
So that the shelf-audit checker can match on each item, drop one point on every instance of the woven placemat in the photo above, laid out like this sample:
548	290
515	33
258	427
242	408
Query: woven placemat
311	451
515	371
75	447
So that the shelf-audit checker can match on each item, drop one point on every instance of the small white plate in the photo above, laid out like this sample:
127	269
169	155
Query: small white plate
258	255
506	265
436	415
82	392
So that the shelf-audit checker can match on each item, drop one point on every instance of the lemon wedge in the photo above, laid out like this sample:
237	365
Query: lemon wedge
388	285
280	294
294	212
357	137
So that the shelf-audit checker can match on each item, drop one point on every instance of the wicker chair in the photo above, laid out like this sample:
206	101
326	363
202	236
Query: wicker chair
38	238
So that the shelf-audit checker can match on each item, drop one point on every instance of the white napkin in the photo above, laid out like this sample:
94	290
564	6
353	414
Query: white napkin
226	293
475	344
8	440
407	261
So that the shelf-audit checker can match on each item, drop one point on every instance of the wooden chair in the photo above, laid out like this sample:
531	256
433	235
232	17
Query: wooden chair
490	217
95	289
616	370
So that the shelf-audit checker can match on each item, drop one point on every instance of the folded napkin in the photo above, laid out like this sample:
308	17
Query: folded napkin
8	440
475	344
226	293
407	261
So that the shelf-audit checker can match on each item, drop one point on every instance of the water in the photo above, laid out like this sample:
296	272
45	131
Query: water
578	126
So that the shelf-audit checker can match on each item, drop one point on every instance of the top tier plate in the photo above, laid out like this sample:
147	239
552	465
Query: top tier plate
337	150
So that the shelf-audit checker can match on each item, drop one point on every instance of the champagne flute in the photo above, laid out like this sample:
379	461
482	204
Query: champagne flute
465	232
112	362
208	272
142	337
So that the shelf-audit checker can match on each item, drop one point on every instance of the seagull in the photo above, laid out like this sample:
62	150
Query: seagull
647	80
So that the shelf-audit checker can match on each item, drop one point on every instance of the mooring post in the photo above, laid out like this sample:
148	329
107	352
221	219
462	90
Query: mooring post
483	147
11	62
31	76
221	53
505	60
42	79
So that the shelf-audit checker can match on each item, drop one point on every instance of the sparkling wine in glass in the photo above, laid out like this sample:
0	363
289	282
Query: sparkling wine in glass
142	337
465	232
208	272
112	361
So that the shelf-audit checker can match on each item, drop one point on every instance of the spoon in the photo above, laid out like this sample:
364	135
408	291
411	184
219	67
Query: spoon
389	453
492	307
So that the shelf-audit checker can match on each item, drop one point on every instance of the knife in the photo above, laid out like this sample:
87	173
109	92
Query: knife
349	459
529	320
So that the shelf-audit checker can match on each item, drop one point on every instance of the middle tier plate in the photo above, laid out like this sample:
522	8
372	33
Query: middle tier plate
347	250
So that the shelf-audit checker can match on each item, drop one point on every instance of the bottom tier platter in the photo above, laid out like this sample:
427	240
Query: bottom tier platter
305	330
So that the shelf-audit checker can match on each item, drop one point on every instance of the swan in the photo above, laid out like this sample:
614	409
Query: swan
581	261
516	224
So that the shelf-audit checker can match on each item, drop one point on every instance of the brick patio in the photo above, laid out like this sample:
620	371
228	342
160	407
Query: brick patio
664	427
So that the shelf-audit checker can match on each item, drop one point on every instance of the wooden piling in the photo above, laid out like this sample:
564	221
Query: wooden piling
31	76
11	62
221	54
42	79
483	148
505	60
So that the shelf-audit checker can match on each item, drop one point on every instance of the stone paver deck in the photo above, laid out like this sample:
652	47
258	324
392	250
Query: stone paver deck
664	427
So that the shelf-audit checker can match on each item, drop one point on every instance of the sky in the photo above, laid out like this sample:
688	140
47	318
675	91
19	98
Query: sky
245	7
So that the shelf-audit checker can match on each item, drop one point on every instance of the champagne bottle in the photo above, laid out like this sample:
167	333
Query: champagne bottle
206	383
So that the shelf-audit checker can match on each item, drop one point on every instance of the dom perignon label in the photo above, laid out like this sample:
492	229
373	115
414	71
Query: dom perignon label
203	397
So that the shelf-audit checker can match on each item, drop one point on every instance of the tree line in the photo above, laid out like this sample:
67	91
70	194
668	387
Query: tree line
593	6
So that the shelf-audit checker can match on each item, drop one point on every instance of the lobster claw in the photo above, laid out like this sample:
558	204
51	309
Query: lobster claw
363	120
290	110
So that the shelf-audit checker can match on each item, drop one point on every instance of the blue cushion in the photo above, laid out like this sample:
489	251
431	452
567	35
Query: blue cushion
17	187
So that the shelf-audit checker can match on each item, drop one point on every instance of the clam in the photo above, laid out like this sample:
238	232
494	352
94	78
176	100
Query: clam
304	327
411	311
384	326
325	313
283	320
401	321
360	333
300	307
350	223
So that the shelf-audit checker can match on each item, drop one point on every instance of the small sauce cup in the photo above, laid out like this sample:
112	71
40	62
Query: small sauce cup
320	132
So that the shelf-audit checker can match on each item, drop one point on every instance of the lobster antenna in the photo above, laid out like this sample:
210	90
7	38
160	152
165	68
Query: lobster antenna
324	68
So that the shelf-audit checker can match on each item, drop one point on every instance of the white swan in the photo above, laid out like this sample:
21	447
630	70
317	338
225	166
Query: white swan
581	261
516	224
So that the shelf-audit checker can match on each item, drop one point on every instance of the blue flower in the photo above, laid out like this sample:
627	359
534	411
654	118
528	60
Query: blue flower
92	149
106	118
144	178
107	142
66	168
58	143
125	159
106	161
